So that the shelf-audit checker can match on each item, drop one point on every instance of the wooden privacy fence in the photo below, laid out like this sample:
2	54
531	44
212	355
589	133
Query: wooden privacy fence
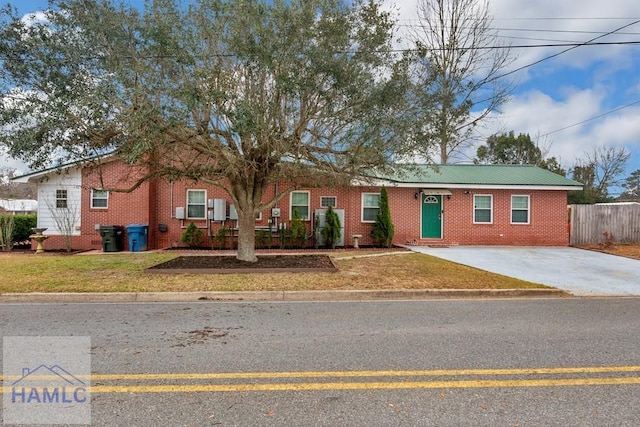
604	223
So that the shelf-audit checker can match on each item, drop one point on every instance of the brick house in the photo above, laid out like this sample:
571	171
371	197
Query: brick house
443	205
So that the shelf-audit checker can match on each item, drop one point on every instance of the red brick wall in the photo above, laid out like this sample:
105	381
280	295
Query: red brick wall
547	226
155	203
547	223
122	208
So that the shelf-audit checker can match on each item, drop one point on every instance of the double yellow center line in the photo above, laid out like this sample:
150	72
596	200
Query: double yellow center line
362	380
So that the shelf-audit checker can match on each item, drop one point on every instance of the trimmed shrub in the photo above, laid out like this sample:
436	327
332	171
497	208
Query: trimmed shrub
222	236
297	231
263	238
382	232
193	236
22	227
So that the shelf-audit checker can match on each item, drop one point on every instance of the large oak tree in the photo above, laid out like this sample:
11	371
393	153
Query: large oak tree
234	93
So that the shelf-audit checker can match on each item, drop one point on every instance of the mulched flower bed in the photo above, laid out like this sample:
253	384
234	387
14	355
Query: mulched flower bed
230	264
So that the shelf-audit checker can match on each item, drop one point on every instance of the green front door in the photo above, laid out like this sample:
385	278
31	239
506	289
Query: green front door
431	216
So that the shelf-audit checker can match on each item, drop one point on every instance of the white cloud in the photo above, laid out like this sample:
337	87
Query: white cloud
585	19
556	101
538	114
35	18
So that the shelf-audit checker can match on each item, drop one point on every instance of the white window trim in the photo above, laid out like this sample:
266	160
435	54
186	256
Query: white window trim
335	199
194	204
528	209
259	216
101	198
308	204
362	207
490	209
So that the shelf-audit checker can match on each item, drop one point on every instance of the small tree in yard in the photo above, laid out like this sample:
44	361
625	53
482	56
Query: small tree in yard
193	236
382	232
331	230
66	215
6	233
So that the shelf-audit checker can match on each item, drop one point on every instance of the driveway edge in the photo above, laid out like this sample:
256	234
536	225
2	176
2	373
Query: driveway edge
338	295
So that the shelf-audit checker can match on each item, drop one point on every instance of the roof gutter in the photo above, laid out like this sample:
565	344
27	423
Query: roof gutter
440	185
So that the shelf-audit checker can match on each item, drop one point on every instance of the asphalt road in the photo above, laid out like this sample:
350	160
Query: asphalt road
571	362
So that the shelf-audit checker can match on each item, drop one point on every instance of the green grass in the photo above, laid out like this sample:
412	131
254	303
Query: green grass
125	273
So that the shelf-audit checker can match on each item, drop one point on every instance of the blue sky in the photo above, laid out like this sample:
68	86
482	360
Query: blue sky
585	98
572	103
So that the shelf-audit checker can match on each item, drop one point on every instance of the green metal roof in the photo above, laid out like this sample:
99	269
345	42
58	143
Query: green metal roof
489	175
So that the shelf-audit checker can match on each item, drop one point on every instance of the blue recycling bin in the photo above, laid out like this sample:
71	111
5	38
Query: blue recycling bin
138	237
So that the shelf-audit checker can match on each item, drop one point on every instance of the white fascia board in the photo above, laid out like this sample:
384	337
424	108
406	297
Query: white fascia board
386	183
34	177
504	187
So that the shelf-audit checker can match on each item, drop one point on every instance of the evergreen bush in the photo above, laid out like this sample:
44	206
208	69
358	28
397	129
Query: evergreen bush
263	238
193	236
297	230
382	232
22	225
331	230
221	237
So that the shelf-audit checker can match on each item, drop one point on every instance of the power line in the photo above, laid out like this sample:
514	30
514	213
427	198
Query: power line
588	42
567	18
592	118
538	30
529	30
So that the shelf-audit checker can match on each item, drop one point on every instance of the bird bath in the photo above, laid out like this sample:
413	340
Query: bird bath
39	237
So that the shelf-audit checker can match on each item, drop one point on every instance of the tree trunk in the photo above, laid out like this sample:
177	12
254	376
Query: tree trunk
444	155
246	236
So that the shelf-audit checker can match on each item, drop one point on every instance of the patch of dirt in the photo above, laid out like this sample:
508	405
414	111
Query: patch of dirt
230	264
631	250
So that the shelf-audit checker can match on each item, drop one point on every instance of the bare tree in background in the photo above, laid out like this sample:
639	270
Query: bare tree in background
12	190
458	81
601	169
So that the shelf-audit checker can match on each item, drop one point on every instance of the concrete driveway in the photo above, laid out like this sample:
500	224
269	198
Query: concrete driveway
581	272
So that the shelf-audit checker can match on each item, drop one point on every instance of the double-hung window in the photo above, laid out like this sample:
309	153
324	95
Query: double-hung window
482	209
370	206
300	204
61	199
99	199
520	209
196	204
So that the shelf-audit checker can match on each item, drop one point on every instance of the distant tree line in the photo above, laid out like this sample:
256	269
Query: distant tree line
599	170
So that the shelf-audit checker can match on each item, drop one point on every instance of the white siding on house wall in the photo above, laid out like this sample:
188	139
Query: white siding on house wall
71	181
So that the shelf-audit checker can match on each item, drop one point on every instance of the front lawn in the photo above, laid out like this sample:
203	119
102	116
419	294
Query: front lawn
125	273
